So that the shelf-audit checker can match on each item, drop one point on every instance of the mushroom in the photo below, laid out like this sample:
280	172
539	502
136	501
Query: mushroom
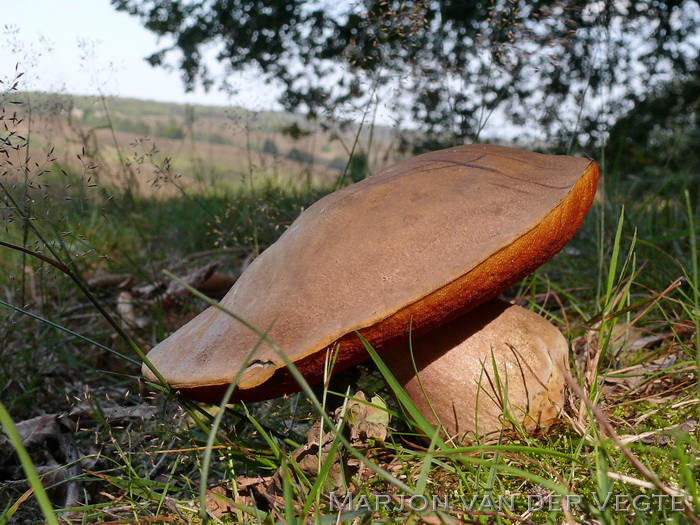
496	365
411	248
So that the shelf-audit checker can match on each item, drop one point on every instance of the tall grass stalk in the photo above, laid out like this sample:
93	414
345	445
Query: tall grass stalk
32	476
72	333
342	179
213	432
303	384
72	273
694	283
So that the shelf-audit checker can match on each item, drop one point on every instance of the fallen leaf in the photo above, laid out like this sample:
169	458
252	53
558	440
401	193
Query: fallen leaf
364	420
218	502
112	280
35	431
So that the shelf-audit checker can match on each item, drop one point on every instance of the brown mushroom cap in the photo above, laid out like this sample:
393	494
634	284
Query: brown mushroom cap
498	356
418	244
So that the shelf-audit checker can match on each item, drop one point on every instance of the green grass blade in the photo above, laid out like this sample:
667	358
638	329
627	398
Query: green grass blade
694	283
326	464
303	384
693	237
39	492
68	331
612	271
212	438
418	418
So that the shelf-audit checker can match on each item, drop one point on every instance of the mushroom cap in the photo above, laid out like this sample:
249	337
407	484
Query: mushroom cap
416	245
498	356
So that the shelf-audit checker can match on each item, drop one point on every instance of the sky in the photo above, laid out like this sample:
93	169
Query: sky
86	47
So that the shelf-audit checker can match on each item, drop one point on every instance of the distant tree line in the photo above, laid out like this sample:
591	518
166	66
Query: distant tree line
562	70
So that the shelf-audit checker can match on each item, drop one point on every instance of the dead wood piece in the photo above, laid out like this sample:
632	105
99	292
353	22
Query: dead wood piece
112	281
217	286
176	293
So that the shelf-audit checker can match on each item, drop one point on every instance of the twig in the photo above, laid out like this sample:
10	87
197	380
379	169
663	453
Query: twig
608	429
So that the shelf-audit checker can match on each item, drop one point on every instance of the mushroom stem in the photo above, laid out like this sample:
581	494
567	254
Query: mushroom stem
497	365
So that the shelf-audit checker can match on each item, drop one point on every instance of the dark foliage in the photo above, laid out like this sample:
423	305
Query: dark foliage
558	69
654	147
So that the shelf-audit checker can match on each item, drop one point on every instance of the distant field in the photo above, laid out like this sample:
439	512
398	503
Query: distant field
150	144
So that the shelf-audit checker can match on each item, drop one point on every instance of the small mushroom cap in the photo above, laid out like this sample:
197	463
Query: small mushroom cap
416	245
497	356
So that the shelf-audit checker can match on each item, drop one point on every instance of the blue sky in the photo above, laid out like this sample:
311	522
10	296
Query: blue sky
87	47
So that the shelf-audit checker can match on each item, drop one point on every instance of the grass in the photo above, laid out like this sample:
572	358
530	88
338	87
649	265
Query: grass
140	144
625	292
